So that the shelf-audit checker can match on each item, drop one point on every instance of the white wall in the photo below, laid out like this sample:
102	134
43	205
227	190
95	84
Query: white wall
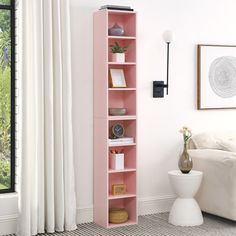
193	22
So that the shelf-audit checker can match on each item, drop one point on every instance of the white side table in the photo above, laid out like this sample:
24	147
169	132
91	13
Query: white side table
185	210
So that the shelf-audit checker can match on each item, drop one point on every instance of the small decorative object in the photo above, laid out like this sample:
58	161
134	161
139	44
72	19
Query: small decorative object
117	78
117	131
118	215
116	160
117	111
185	161
116	30
216	77
118	52
118	189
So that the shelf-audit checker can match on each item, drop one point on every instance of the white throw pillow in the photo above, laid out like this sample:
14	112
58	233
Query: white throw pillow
206	141
228	145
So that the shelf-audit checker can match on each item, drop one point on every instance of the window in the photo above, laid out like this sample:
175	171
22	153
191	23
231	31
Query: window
7	96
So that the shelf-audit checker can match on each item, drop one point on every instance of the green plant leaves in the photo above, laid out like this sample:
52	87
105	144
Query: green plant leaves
116	48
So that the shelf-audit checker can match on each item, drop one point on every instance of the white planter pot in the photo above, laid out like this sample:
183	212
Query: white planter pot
118	57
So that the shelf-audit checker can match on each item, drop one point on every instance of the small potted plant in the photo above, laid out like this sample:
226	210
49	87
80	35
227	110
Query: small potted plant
118	52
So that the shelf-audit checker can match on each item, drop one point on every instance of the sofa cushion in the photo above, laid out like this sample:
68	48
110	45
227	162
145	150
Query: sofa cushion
228	145
206	141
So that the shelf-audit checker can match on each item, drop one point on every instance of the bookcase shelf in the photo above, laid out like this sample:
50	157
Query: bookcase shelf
129	222
120	145
129	73
123	170
130	54
125	99
122	89
105	97
130	204
122	37
125	19
122	63
128	195
122	117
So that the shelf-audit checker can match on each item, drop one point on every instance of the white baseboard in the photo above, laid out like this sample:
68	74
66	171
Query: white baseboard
8	213
8	224
152	205
148	205
85	215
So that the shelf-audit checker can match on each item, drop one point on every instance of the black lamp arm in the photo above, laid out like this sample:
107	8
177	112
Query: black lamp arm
167	72
158	86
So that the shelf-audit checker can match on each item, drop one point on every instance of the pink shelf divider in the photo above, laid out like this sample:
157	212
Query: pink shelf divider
122	89
122	170
121	63
122	117
122	145
129	222
128	195
121	37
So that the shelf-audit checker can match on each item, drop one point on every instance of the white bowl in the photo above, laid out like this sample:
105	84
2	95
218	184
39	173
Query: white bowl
117	111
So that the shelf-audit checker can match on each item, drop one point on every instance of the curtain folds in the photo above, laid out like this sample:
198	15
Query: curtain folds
47	197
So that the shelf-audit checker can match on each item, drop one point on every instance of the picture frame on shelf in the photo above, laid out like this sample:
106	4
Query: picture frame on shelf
118	189
117	78
216	77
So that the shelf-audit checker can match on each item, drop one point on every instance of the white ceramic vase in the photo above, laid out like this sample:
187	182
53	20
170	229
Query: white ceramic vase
118	57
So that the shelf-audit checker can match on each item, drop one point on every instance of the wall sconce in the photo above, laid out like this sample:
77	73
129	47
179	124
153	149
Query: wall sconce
158	86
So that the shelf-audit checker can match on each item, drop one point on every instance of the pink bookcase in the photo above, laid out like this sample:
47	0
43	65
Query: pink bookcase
106	97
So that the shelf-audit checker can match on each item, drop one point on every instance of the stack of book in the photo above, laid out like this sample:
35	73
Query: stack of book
125	140
116	7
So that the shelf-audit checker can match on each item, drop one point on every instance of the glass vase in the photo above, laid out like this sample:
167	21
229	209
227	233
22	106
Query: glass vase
185	161
116	30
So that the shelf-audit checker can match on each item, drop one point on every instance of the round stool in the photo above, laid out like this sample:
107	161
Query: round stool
185	210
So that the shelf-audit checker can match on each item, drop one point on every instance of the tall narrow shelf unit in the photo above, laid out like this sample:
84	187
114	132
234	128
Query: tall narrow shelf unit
106	97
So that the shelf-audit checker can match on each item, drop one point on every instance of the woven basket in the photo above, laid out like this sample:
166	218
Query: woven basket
118	215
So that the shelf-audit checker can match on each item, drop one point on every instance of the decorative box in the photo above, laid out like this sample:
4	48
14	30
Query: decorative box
117	161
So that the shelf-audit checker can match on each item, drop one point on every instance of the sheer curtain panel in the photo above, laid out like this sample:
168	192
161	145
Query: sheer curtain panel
47	196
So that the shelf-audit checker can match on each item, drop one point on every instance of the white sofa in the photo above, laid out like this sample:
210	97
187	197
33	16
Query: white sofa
215	156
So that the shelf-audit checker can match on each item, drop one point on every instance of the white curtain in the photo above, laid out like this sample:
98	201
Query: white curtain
47	195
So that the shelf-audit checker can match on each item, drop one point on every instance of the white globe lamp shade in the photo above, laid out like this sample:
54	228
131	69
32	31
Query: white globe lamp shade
168	36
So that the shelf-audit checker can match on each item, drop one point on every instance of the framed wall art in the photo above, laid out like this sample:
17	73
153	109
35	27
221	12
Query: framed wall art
216	77
117	78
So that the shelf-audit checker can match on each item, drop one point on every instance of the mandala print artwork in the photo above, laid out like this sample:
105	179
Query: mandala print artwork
222	76
216	77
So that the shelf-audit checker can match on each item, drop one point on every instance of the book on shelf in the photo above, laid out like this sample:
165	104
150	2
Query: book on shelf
125	140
